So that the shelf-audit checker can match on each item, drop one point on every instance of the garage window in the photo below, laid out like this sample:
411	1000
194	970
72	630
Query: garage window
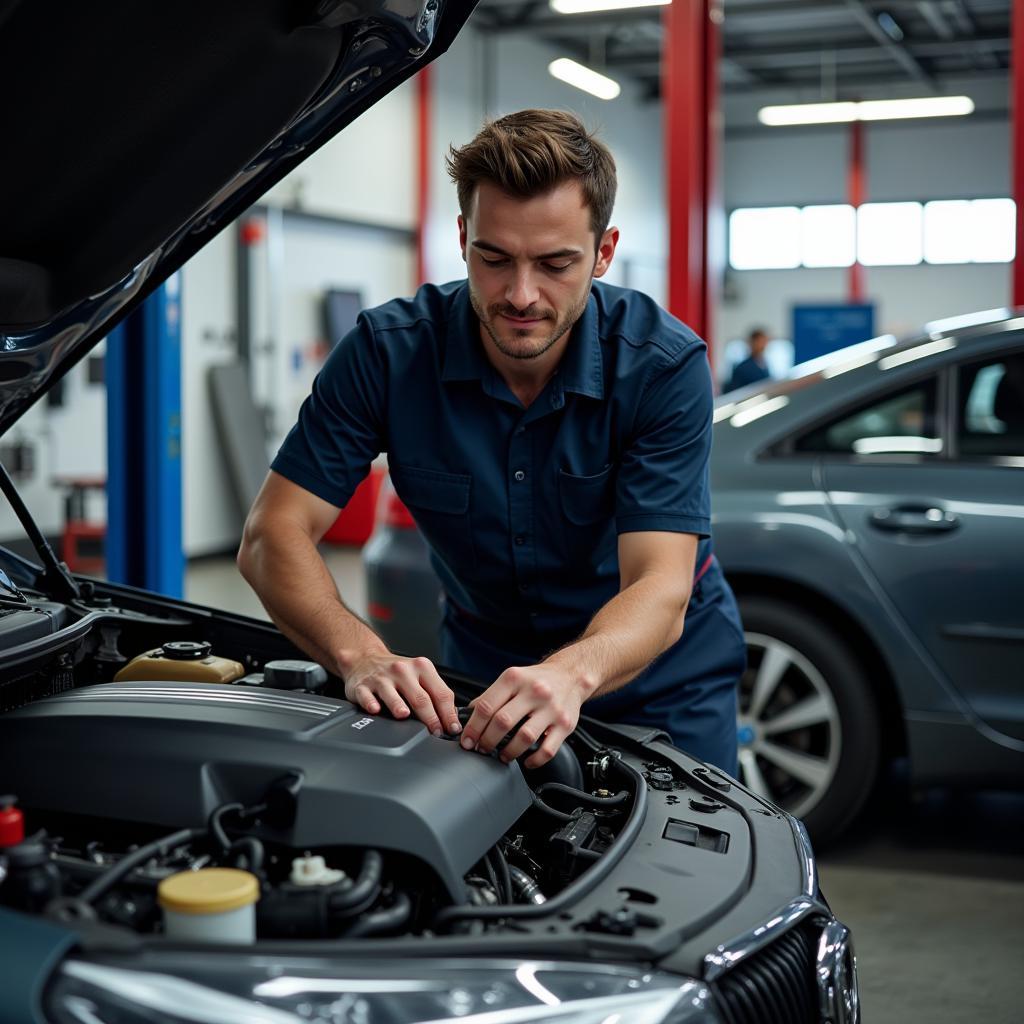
904	423
991	420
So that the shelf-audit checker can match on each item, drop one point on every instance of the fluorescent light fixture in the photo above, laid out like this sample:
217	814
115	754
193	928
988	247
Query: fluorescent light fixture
929	348
866	110
584	78
586	6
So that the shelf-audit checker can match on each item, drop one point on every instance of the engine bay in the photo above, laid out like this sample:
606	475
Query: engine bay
127	772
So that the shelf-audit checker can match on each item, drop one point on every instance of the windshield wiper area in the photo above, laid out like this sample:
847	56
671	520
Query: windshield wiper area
59	583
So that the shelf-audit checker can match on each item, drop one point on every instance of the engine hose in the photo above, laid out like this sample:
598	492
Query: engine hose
364	890
526	887
380	921
157	848
504	875
584	884
252	849
550	811
583	796
492	877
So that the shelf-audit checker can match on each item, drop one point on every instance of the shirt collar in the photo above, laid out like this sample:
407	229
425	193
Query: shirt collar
581	369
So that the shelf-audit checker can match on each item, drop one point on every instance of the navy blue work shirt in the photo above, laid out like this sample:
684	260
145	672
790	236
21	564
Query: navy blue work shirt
521	507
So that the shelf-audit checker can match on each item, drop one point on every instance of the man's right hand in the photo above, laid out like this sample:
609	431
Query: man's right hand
401	684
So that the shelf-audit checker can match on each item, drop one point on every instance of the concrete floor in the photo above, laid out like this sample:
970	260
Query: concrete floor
932	885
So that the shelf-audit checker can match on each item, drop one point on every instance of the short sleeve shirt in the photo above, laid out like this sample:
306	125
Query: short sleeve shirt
521	507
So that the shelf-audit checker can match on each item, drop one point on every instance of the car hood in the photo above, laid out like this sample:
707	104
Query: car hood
136	132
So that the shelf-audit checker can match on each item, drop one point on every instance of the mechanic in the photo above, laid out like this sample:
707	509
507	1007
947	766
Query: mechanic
550	436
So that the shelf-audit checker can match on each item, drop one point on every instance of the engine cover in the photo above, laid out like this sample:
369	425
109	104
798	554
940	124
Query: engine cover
169	753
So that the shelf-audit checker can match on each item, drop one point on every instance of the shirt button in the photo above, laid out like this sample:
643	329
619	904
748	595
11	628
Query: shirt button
520	541
519	475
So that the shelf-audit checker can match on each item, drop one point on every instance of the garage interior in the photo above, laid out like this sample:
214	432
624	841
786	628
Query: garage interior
823	234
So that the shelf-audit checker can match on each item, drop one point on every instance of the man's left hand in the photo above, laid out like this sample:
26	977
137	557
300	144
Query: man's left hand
545	699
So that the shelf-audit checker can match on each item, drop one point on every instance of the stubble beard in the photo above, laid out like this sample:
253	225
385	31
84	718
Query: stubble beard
538	347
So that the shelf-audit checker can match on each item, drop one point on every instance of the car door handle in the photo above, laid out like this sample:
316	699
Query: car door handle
914	519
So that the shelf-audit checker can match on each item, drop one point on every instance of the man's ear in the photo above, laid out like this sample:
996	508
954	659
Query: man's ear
605	251
462	237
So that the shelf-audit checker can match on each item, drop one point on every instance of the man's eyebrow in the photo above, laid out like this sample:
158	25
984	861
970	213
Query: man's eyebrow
557	254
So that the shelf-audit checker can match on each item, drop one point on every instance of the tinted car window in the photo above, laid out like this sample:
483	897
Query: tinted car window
901	423
991	420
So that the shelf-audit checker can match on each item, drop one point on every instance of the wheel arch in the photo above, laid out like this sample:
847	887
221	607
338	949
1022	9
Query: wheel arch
862	645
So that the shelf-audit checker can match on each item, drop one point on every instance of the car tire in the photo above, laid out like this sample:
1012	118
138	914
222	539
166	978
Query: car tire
809	727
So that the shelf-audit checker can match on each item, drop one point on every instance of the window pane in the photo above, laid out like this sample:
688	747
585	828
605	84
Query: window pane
828	235
900	424
948	231
992	240
991	421
765	239
889	234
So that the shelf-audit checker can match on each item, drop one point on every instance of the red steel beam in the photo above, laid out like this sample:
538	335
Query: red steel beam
692	122
1017	107
857	194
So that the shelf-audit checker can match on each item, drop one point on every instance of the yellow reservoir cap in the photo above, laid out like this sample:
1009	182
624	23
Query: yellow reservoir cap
208	891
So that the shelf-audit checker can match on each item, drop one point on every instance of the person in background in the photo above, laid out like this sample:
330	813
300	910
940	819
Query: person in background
753	368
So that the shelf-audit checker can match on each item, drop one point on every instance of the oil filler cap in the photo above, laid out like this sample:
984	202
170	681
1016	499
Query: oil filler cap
289	674
186	650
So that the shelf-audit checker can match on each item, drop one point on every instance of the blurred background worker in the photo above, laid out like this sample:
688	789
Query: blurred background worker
753	368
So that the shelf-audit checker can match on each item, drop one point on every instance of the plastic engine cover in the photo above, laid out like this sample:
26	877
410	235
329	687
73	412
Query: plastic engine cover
169	753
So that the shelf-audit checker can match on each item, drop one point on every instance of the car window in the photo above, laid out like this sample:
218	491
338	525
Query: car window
903	422
991	419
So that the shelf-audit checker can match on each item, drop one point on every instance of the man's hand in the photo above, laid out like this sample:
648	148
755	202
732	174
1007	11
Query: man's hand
545	698
400	684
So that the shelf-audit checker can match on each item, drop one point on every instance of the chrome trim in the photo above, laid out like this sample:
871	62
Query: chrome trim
836	975
729	954
276	702
809	866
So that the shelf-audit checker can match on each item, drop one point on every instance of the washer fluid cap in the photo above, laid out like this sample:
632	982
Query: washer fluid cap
208	891
186	650
314	871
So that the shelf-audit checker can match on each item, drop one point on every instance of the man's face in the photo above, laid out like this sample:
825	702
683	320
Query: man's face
530	264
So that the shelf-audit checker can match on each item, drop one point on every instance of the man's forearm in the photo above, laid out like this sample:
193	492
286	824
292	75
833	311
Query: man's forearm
285	569
641	622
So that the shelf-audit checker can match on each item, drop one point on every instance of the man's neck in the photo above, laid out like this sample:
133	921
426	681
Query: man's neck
526	378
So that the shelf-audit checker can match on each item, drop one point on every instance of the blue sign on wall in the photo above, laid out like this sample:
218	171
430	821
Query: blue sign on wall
818	330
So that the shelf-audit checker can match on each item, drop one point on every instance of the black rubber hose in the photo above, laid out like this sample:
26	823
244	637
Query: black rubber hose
582	885
363	891
504	875
217	829
527	888
492	877
583	796
550	811
157	848
252	849
380	921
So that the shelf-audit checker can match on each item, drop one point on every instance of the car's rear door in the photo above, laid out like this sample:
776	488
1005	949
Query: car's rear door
929	481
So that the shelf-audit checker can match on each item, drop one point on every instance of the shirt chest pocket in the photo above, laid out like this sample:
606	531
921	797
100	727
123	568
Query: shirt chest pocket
439	502
588	514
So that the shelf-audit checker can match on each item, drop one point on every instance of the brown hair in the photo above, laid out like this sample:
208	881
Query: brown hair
531	152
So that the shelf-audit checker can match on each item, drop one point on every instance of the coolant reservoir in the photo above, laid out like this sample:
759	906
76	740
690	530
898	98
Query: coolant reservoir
210	905
184	661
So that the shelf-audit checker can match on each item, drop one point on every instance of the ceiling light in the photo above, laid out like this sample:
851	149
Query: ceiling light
584	78
867	110
586	6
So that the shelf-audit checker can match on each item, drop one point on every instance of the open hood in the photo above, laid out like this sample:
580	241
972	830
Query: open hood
134	133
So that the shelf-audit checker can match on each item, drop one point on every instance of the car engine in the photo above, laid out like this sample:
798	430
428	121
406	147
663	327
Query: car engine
129	765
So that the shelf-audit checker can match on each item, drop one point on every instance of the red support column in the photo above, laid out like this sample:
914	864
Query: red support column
857	193
1017	108
692	129
423	107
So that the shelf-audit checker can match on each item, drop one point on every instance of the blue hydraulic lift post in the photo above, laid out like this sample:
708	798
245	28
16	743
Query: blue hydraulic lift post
144	534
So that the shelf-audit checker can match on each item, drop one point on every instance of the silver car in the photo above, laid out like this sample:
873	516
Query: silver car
869	514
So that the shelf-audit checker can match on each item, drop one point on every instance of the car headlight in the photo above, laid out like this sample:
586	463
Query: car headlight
264	990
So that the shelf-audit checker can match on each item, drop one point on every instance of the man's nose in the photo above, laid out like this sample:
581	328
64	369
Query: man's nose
522	291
